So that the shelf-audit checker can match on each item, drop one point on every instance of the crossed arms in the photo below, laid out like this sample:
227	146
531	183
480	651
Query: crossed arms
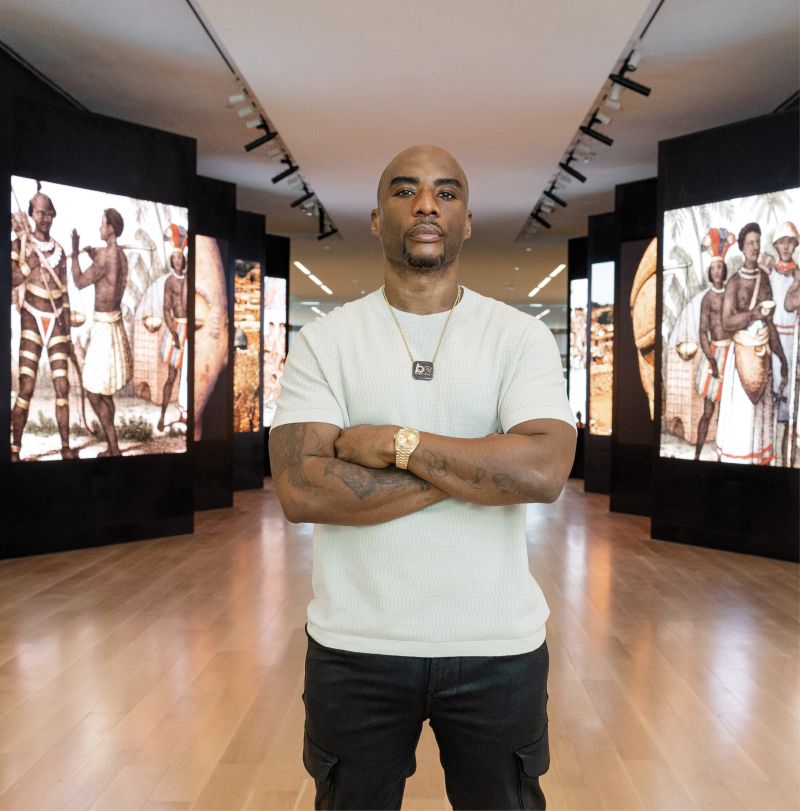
327	475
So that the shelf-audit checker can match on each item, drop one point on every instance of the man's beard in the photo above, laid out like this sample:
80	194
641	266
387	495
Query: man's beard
425	262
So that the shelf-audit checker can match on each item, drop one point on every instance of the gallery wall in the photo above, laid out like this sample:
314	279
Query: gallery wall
601	255
577	299
703	179
88	500
634	347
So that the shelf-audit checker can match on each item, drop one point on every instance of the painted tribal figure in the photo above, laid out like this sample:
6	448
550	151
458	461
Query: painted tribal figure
108	365
39	262
176	323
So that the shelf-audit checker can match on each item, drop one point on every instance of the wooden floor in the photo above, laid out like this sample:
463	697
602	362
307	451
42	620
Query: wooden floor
167	674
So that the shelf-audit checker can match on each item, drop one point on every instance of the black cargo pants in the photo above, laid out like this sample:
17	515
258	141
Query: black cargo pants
364	716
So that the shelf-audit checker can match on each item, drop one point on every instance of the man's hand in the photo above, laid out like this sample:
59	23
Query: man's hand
76	242
367	445
714	367
19	223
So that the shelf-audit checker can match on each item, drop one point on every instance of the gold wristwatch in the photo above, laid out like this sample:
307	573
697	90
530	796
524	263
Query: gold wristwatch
405	443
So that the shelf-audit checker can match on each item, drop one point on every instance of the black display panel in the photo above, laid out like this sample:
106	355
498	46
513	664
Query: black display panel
578	352
753	508
99	326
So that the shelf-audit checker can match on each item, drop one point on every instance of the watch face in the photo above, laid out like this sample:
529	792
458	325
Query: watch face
407	438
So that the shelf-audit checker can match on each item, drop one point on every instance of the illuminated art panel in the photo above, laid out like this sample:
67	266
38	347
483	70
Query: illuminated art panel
247	347
601	347
578	305
274	343
99	328
730	330
212	338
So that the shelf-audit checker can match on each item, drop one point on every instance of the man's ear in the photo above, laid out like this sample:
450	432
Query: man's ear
375	222
468	226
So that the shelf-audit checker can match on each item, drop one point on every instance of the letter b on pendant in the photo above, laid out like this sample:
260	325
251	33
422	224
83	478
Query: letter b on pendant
422	370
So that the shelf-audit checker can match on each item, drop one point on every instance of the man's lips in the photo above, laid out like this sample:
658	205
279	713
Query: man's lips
425	233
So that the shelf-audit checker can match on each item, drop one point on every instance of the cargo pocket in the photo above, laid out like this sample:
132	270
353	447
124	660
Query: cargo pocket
322	767
533	761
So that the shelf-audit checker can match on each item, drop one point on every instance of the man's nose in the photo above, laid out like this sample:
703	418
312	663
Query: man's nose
426	202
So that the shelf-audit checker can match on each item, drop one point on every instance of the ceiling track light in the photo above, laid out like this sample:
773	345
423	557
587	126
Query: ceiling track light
570	171
246	111
541	220
328	234
598	136
262	139
621	79
286	172
555	198
300	200
237	98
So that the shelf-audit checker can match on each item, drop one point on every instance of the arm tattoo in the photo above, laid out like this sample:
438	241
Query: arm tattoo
366	481
435	464
288	447
506	484
474	478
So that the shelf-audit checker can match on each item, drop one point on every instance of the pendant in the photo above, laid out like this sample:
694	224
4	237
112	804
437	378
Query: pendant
422	370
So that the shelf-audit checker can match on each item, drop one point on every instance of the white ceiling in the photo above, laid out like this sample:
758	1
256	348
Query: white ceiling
503	85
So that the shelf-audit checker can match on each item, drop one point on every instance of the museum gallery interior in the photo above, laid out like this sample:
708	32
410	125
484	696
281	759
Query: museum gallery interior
190	184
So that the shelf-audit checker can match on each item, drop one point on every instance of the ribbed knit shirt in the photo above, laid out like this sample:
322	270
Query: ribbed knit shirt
451	579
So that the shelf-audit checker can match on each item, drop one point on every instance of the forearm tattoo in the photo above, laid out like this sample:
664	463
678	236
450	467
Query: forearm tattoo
287	447
438	466
364	482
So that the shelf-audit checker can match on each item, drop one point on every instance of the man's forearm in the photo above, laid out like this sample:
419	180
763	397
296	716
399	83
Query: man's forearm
326	490
498	469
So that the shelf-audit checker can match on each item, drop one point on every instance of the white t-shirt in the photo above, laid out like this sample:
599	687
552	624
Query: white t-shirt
451	579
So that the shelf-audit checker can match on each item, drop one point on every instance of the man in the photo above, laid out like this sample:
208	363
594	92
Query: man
39	262
173	348
714	340
108	364
781	277
413	426
745	432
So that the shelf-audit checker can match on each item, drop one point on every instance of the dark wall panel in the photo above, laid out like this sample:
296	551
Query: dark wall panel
56	505
278	258
215	216
601	247
249	449
743	508
576	269
631	441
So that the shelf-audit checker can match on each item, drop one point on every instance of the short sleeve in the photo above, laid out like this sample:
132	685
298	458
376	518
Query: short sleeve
306	395
534	387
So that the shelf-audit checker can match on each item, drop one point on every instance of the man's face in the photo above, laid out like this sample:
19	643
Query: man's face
751	247
178	261
42	214
717	273
785	247
105	229
422	217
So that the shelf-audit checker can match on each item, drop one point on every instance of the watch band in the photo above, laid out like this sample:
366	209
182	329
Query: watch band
401	458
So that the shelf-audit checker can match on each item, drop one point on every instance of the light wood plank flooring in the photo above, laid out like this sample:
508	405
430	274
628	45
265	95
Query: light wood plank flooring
167	674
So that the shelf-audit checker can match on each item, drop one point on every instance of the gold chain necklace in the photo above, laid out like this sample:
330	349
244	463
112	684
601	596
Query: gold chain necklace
422	369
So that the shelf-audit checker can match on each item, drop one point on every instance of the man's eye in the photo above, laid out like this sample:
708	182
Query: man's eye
404	192
448	195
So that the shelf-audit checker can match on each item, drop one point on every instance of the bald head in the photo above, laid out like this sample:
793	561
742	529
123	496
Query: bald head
406	164
41	202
